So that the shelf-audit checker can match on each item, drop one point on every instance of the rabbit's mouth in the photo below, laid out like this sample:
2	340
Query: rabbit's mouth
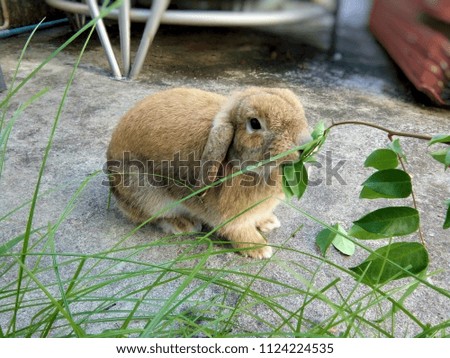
289	158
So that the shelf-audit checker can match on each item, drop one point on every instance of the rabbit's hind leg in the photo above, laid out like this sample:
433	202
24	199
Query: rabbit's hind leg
171	225
132	212
178	225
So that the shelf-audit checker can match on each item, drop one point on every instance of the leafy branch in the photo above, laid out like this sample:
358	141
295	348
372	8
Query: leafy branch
395	260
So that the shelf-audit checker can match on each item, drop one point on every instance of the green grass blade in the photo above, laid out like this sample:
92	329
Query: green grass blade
4	104
6	130
76	328
168	306
13	242
68	291
41	173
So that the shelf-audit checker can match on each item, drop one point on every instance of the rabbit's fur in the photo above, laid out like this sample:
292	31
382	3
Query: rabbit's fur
176	141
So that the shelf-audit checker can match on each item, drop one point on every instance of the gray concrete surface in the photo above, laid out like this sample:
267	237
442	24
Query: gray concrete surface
357	83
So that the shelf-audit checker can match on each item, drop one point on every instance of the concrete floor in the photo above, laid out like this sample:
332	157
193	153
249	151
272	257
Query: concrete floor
357	82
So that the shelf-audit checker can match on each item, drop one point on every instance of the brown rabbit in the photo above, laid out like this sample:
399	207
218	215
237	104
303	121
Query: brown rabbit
176	141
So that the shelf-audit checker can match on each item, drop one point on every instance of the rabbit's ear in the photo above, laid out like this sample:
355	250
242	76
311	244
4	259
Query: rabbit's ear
216	148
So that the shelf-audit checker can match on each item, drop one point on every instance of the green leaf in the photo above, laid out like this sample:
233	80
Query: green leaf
367	193
310	159
392	262
390	183
341	243
324	240
396	147
318	130
286	188
390	221
440	138
295	179
447	216
327	237
382	159
442	156
312	146
361	234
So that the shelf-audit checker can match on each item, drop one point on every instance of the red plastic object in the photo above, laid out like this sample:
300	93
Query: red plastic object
421	52
440	9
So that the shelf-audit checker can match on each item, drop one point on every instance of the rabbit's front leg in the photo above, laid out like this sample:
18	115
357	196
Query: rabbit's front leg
248	239
268	224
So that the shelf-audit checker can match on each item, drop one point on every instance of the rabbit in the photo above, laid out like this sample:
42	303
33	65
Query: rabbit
179	140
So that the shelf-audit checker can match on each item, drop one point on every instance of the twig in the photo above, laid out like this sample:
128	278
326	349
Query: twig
390	132
413	196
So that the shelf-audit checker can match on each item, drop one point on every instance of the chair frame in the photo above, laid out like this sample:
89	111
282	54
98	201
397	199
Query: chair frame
158	13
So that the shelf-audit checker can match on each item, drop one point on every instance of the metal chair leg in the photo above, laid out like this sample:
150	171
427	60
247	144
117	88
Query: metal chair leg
334	30
157	10
5	15
104	39
124	28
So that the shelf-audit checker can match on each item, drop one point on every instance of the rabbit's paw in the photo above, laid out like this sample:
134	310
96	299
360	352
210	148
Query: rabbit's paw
268	224
249	241
263	252
179	225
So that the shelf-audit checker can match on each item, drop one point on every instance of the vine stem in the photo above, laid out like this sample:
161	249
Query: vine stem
413	196
390	134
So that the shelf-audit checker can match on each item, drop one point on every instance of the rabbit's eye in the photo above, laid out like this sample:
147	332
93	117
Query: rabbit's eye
254	124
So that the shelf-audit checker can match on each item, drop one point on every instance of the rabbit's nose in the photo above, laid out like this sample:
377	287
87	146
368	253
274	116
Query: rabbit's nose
304	138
